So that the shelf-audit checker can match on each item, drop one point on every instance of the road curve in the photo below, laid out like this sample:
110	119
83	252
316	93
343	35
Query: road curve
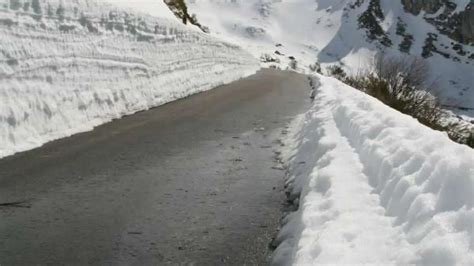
190	182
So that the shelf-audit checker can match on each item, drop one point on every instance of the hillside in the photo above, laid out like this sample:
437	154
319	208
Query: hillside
350	32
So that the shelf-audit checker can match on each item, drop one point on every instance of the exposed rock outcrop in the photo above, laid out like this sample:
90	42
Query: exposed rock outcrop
467	23
180	10
369	20
429	6
458	25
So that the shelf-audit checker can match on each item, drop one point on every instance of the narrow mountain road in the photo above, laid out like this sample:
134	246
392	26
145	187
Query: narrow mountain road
190	182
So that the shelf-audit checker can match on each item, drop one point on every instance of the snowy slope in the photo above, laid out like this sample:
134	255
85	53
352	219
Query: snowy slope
374	187
327	31
150	7
83	63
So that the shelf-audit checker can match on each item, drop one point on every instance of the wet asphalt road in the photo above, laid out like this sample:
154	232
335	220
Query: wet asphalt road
190	182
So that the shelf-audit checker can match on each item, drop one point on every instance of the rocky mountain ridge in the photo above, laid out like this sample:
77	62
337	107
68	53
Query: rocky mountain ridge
454	20
448	17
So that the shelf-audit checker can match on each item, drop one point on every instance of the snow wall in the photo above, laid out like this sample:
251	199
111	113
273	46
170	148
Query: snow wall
73	65
375	187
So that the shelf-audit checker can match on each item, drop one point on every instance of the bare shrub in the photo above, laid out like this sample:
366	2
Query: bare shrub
462	132
337	72
470	140
267	58
36	6
293	64
316	67
61	12
414	70
15	4
404	84
26	6
49	11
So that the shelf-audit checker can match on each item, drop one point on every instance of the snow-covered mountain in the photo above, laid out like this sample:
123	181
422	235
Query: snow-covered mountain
350	32
67	66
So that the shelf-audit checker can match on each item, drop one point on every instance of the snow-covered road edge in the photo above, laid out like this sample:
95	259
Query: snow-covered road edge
374	186
59	77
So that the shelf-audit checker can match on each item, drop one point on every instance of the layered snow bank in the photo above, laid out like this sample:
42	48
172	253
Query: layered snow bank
375	186
152	7
87	63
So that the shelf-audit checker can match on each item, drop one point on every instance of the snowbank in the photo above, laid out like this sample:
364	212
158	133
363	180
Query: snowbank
82	63
375	186
152	7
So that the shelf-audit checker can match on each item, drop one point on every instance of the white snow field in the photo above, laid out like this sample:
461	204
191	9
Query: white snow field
374	187
327	31
83	63
150	7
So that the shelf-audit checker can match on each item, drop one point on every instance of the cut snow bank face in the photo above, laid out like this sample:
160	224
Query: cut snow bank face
375	186
81	64
151	7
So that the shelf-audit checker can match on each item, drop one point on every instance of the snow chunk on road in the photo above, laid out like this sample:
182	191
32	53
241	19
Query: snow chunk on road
89	63
375	186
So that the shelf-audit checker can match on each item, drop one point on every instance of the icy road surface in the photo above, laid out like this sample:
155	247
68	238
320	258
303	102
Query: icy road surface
194	181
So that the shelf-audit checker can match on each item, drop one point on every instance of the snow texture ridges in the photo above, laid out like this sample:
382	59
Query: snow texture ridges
375	186
63	74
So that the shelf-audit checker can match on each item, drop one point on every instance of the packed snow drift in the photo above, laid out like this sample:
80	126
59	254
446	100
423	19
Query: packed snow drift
374	186
348	33
67	66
